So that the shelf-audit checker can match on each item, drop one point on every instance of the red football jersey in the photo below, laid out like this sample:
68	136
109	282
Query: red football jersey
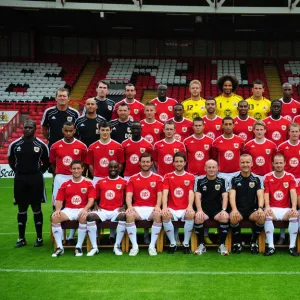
111	192
132	151
198	152
163	154
76	194
99	156
136	110
297	120
184	129
262	155
62	154
227	152
212	128
179	187
279	189
277	130
244	128
164	110
145	189
292	157
290	110
152	132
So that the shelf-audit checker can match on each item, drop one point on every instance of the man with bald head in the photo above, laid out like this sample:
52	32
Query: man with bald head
211	200
28	157
290	107
87	125
164	105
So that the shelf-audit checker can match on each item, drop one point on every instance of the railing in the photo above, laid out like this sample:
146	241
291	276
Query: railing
7	129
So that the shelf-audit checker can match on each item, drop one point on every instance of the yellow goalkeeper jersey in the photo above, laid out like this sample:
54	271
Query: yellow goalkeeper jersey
259	109
227	106
194	108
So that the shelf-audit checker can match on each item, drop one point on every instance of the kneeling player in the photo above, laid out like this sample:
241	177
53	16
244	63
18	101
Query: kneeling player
211	200
143	199
110	191
79	195
247	201
178	199
280	191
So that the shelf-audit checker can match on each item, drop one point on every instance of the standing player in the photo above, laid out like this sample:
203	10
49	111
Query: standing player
28	157
194	106
184	127
134	147
135	106
259	106
212	122
165	149
226	149
164	105
246	199
280	203
111	194
87	125
277	126
290	107
152	130
177	201
211	201
121	126
105	106
261	150
243	124
227	102
143	199
78	195
102	152
62	153
55	116
198	148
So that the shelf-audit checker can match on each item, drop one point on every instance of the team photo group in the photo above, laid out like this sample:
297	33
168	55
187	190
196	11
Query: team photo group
226	159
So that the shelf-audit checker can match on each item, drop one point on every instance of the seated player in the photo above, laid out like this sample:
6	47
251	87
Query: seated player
178	199
247	201
110	190
78	194
280	203
143	199
211	200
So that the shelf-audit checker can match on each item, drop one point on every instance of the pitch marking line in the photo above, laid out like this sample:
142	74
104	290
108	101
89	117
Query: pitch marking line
145	272
13	233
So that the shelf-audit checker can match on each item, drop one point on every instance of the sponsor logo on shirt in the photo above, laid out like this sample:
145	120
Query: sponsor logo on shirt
199	155
110	194
76	200
67	160
178	192
294	162
229	155
168	159
145	194
134	159
104	162
278	195
53	118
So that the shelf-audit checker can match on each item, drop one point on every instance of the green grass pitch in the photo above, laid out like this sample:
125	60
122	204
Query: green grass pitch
31	273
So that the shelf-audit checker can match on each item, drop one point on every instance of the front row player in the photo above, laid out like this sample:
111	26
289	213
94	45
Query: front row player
247	200
143	199
79	195
110	190
280	191
178	199
211	200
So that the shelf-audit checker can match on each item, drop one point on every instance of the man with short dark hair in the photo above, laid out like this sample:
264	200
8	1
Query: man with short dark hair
28	157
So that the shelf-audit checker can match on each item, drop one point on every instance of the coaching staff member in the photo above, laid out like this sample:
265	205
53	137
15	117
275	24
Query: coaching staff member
28	156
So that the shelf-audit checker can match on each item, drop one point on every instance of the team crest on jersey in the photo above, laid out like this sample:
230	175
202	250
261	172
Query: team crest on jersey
156	130
128	130
217	187
176	150
218	127
186	182
283	127
235	104
250	128
136	111
206	147
118	186
142	150
69	119
184	129
252	184
294	110
111	152
153	184
36	149
170	108
286	184
268	151
76	151
109	107
83	190
235	145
